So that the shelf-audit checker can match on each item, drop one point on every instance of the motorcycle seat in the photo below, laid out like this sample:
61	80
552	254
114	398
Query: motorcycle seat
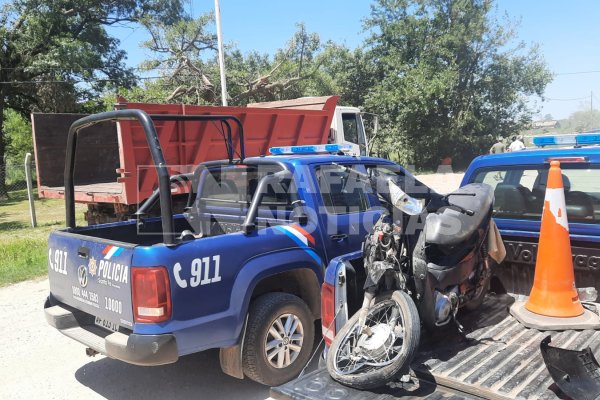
449	227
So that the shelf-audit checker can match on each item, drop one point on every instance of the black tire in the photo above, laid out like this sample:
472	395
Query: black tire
379	377
263	312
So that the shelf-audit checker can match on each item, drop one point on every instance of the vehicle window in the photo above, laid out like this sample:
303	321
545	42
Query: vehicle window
235	187
519	191
342	191
350	128
408	183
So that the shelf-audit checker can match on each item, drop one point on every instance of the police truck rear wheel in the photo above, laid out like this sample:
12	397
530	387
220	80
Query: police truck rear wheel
279	338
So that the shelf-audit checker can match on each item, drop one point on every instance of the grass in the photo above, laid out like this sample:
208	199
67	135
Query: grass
23	249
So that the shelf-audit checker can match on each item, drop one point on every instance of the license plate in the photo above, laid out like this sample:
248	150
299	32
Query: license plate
111	326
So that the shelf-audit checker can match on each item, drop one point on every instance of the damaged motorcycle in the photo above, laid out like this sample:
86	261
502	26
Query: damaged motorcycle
424	260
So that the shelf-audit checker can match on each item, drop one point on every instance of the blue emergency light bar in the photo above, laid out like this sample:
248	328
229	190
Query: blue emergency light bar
581	139
311	149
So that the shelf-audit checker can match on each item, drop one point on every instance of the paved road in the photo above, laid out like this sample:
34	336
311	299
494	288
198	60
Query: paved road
37	362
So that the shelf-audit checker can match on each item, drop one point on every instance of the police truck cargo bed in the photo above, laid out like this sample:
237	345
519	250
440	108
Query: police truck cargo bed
319	385
497	358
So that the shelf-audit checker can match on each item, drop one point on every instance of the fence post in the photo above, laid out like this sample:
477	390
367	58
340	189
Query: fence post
29	189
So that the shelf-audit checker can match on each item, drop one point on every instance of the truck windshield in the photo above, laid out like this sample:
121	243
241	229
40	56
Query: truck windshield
519	191
354	130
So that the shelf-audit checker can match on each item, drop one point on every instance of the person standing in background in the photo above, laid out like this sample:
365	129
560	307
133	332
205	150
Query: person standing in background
498	147
517	144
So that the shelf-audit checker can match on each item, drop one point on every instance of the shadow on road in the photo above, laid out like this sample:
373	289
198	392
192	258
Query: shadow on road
194	376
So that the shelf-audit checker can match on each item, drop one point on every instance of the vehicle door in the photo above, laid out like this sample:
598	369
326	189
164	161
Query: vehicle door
347	207
351	131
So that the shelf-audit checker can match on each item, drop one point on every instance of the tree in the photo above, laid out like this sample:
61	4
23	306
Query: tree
185	56
56	53
179	50
344	72
291	67
581	121
18	137
448	78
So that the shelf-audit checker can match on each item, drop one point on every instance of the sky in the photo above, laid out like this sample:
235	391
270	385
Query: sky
567	32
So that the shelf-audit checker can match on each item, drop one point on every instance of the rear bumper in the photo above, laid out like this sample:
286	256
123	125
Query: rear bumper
131	348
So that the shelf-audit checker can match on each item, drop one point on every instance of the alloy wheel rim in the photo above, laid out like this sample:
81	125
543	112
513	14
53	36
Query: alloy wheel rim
284	340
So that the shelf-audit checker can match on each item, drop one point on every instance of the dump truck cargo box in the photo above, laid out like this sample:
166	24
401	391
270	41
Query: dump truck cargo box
114	164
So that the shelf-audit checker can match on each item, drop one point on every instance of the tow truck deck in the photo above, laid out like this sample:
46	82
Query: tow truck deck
496	358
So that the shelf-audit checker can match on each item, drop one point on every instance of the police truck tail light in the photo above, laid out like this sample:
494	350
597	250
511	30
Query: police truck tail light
151	294
328	312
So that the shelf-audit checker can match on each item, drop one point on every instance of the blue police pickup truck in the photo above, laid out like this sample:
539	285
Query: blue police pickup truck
240	269
495	357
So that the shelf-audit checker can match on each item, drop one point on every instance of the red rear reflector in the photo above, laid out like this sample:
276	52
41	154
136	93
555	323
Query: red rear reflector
328	312
567	159
151	294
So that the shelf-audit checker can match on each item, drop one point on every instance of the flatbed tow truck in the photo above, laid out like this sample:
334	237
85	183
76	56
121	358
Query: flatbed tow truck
496	357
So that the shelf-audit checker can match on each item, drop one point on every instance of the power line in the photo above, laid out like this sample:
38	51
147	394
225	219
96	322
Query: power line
573	99
91	80
62	69
82	80
578	72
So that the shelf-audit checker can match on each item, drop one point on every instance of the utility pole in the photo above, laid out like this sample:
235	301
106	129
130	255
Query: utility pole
221	58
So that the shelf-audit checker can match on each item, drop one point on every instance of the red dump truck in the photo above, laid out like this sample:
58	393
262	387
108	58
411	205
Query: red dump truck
114	167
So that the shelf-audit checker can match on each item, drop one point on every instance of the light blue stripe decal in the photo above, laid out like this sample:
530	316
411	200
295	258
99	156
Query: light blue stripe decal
119	251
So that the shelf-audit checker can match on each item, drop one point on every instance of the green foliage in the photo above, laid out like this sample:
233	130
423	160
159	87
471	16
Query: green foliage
24	251
344	72
443	75
22	259
185	55
447	79
18	137
581	121
57	56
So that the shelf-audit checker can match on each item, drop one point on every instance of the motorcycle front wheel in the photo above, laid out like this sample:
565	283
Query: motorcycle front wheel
370	356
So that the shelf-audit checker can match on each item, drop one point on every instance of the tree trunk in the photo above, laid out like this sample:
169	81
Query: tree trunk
3	188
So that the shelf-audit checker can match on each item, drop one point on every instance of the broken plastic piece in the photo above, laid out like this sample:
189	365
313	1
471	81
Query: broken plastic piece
575	372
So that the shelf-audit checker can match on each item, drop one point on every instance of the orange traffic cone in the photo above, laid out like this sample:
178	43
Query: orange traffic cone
554	302
553	293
